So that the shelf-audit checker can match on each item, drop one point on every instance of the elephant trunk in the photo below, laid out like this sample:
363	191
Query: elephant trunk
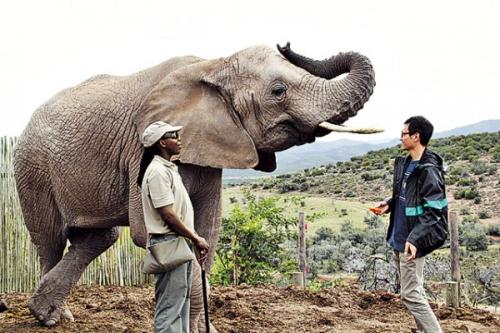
342	98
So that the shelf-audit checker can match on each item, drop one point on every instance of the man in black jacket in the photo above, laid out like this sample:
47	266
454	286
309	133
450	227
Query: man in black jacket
418	221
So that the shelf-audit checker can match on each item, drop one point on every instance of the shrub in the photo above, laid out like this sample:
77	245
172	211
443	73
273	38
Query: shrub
469	194
323	233
317	172
464	211
484	214
470	219
370	176
458	171
466	182
350	194
287	187
373	221
283	176
267	186
474	237
494	229
250	248
304	186
479	167
472	194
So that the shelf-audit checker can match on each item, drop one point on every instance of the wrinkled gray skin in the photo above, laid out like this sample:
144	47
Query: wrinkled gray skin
76	163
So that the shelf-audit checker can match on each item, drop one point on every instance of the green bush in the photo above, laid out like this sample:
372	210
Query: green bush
317	172
288	187
484	214
468	194
466	182
474	237
479	167
373	221
284	176
464	211
350	194
251	242
494	229
304	186
323	233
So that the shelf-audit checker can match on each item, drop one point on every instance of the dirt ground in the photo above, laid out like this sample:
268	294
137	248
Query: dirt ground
247	309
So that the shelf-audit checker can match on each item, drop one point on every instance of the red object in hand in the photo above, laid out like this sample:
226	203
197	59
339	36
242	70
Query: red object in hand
376	210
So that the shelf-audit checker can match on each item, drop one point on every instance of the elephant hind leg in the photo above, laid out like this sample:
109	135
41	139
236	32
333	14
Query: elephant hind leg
47	303
45	225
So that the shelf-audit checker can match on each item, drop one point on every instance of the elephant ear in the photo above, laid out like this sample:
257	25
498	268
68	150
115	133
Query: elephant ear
213	134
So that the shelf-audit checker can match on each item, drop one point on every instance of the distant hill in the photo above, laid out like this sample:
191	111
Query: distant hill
323	153
472	178
480	127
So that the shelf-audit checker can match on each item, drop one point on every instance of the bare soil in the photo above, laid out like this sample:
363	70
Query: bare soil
247	309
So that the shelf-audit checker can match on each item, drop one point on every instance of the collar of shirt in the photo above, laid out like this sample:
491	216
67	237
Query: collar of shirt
165	162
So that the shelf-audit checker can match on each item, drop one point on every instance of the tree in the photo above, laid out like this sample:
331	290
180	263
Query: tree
251	242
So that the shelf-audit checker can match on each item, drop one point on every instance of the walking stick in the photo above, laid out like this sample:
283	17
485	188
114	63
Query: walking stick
205	297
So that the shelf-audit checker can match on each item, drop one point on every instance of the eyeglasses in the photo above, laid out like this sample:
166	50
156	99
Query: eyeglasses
170	135
405	133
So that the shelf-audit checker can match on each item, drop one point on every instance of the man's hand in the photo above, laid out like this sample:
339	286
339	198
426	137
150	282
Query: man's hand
410	251
383	206
202	246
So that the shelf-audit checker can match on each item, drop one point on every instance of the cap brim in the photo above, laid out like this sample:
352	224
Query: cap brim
175	129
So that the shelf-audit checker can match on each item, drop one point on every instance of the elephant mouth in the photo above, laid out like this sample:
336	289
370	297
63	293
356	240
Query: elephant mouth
298	136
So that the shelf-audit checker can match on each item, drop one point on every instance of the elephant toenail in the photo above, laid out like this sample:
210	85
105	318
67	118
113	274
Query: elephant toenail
50	322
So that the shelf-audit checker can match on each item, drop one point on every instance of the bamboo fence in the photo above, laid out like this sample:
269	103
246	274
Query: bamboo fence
19	263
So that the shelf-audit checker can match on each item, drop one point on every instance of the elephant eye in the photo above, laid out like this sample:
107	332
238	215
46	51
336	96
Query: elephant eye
278	90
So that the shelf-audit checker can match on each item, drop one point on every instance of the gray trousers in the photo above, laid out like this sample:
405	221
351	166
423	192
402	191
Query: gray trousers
173	297
411	276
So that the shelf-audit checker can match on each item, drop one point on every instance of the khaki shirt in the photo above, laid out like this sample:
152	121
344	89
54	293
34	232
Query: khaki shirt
162	186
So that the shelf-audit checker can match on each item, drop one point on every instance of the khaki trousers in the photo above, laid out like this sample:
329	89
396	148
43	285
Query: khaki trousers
411	277
173	296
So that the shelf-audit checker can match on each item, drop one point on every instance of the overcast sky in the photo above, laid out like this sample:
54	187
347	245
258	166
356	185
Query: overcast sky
440	59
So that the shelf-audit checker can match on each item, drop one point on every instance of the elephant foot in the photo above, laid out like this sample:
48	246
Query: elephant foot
202	328
48	313
212	329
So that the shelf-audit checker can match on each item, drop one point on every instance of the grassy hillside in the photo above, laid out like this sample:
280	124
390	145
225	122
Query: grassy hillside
472	178
321	211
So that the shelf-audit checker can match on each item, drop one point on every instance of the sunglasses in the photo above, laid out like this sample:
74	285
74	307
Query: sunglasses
170	135
406	133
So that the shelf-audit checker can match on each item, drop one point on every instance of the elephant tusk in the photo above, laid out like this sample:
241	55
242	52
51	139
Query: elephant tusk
338	128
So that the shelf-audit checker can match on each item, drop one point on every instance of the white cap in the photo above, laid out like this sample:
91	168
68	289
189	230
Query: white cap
155	131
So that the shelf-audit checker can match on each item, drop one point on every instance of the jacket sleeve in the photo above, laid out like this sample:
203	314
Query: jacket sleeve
390	203
428	230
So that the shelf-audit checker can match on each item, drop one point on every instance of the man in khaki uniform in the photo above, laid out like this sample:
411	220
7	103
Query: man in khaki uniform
168	213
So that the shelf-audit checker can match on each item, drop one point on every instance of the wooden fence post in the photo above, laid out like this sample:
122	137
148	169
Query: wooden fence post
453	286
302	248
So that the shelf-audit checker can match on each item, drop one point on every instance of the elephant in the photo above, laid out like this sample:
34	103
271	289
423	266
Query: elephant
77	161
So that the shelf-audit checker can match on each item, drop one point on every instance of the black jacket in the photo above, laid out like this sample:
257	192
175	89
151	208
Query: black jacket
426	204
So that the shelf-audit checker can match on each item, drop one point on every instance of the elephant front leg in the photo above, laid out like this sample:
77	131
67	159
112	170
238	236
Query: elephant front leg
207	214
197	314
47	303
